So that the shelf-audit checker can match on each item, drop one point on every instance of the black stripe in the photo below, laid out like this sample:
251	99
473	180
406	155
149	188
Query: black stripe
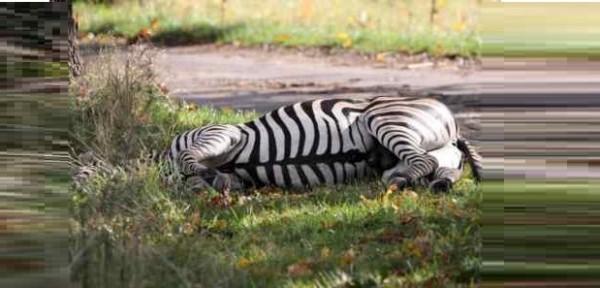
303	178
318	172
286	175
270	174
333	172
252	171
254	154
178	147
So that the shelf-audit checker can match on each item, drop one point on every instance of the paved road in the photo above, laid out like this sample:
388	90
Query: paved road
535	120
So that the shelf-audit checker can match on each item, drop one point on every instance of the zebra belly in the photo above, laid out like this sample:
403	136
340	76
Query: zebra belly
303	175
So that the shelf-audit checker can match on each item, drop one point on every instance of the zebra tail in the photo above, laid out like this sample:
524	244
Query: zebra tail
473	158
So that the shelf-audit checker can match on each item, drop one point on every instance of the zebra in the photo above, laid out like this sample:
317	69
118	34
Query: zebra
87	166
325	141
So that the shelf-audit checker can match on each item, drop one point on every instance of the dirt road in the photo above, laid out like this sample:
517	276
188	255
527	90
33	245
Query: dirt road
537	120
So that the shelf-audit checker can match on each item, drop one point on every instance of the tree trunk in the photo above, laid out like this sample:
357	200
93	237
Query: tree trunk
75	62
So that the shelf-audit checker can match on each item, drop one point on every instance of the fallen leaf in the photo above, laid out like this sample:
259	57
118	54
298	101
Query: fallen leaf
282	38
342	36
243	263
144	33
381	57
220	224
227	110
325	252
347	43
392	188
154	24
459	26
300	268
348	257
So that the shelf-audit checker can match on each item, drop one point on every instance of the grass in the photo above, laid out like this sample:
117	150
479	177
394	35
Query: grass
129	230
274	238
366	26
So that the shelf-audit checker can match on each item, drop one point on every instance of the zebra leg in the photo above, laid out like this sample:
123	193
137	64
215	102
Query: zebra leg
444	178
195	184
449	170
416	166
450	159
225	182
408	175
208	151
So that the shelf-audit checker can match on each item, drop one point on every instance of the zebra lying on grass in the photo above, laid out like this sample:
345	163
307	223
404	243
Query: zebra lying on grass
327	142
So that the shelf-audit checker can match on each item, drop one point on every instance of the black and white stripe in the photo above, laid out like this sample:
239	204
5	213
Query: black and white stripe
321	142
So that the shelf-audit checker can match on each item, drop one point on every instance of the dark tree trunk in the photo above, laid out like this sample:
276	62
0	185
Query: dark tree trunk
75	62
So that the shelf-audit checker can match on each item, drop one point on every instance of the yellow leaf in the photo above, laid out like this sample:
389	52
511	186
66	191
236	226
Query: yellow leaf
282	38
144	33
325	252
342	36
459	26
220	224
227	110
386	197
154	24
243	263
192	107
347	43
381	57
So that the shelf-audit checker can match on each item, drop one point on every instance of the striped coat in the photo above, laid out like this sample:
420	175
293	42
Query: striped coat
322	142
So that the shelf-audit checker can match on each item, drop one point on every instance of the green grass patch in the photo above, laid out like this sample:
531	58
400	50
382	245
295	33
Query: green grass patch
273	238
367	26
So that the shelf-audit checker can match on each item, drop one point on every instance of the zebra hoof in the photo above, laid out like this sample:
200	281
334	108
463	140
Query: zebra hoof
221	183
196	184
399	183
440	186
